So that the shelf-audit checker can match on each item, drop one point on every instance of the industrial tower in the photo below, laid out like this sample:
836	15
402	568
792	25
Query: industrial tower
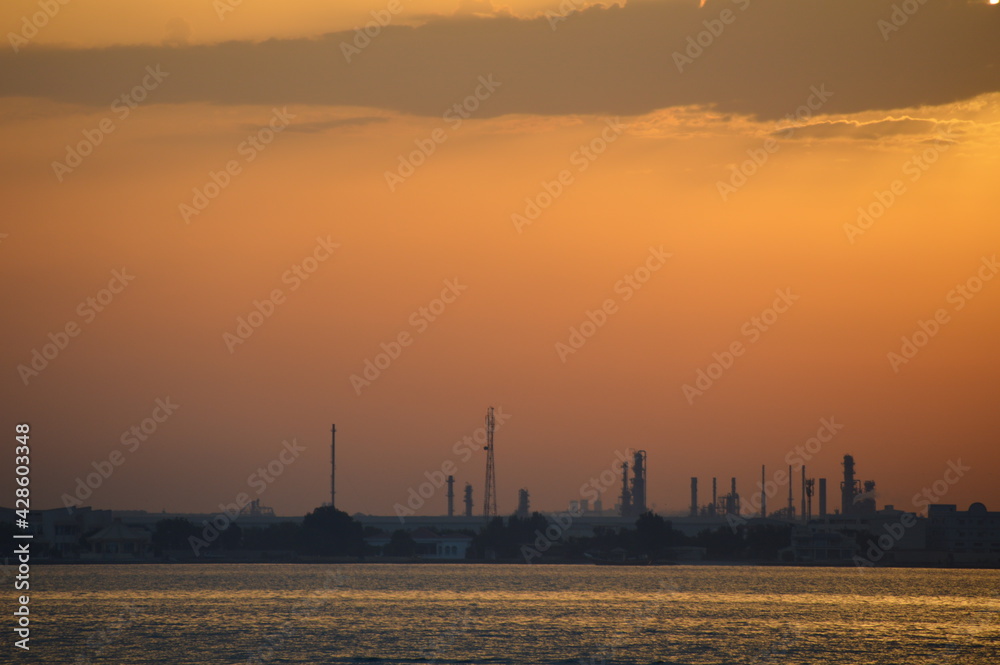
490	501
333	466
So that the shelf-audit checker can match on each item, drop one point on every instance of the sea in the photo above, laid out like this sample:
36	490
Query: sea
485	613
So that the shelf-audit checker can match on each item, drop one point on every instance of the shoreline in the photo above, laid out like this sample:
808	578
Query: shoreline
516	562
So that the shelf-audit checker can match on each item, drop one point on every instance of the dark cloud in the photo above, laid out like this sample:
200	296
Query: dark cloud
867	131
602	60
318	126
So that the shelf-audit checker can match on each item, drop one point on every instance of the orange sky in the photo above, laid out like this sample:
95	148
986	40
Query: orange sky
787	222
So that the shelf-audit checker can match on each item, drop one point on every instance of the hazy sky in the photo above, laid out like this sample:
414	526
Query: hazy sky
704	232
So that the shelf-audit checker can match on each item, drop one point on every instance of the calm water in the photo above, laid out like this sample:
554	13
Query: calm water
510	614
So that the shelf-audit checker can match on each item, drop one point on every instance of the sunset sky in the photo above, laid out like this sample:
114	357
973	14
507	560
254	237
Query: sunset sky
568	211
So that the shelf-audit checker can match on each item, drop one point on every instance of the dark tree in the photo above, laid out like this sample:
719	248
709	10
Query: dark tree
401	543
331	532
173	534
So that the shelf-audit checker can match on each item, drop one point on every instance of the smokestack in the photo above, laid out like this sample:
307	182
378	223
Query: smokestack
803	514
714	497
694	497
763	495
822	497
639	482
468	499
333	466
626	507
451	496
791	503
523	504
847	487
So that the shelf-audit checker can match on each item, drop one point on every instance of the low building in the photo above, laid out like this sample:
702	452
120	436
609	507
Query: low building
119	542
964	536
429	544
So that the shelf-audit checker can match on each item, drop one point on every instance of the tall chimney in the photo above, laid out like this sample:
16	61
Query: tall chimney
791	503
803	514
451	496
468	500
763	495
822	497
694	497
333	466
714	497
847	487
